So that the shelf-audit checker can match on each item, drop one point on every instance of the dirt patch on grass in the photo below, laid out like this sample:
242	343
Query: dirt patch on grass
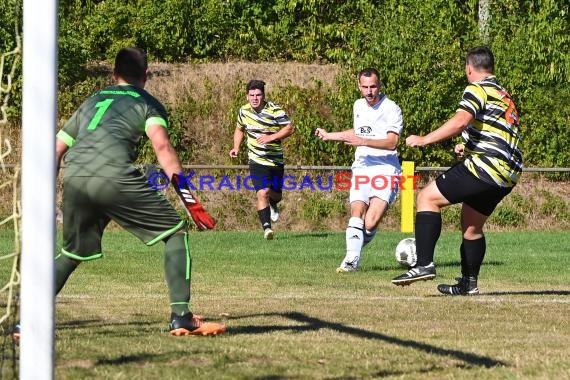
170	82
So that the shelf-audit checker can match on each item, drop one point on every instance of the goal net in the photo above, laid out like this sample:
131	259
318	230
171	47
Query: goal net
10	216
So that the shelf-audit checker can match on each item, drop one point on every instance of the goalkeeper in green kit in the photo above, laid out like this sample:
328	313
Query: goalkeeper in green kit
101	184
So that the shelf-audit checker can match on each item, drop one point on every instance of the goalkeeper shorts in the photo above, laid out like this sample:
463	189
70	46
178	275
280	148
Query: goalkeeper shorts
90	203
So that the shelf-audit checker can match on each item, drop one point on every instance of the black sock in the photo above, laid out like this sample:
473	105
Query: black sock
474	254
463	261
265	217
428	229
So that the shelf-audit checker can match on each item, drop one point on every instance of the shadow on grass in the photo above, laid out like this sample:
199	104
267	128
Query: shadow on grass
288	236
309	324
449	264
529	293
126	359
105	328
102	323
312	324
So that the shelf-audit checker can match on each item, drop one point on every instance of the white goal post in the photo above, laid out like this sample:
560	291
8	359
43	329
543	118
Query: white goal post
39	112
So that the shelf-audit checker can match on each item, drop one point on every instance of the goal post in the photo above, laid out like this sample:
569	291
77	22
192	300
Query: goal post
39	104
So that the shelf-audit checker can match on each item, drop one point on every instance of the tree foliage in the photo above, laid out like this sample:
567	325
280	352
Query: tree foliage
419	48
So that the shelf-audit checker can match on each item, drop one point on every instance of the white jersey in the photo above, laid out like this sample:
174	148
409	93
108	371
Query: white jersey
375	123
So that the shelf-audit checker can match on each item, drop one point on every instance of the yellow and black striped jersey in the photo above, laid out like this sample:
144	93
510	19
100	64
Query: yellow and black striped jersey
493	140
266	122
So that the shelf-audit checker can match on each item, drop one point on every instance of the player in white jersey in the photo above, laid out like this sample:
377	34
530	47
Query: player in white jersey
377	127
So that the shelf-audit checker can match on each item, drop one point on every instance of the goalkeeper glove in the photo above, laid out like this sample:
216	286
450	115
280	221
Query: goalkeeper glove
192	205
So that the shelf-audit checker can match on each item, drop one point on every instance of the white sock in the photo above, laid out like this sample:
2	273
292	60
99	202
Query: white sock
354	241
369	236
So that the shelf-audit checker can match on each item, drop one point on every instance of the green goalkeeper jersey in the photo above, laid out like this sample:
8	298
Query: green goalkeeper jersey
103	133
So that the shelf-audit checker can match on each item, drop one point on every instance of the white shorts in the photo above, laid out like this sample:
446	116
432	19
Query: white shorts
379	181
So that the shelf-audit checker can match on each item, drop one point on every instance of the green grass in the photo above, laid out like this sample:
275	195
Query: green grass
290	316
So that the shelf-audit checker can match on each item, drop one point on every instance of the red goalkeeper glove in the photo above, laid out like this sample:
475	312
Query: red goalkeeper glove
192	205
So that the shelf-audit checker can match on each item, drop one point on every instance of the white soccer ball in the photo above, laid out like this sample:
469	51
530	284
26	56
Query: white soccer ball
406	252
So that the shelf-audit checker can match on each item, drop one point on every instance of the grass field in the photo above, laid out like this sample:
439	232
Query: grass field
290	316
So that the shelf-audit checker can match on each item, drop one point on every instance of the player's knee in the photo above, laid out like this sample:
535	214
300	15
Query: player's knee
181	233
422	197
263	194
70	260
473	233
426	199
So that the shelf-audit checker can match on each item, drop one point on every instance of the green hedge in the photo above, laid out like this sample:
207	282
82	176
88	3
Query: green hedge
419	48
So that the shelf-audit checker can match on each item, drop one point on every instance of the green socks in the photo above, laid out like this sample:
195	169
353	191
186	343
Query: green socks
177	269
64	267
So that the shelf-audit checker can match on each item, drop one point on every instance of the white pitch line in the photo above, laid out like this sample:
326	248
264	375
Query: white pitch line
482	298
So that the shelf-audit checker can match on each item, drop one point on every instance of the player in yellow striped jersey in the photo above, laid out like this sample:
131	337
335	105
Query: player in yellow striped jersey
265	125
488	121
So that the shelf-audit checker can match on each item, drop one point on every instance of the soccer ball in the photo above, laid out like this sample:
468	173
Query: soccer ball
406	252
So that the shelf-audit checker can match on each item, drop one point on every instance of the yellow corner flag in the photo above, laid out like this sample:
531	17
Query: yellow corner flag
407	198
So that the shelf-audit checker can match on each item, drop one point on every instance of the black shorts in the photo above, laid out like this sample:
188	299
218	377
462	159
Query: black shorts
459	185
263	176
